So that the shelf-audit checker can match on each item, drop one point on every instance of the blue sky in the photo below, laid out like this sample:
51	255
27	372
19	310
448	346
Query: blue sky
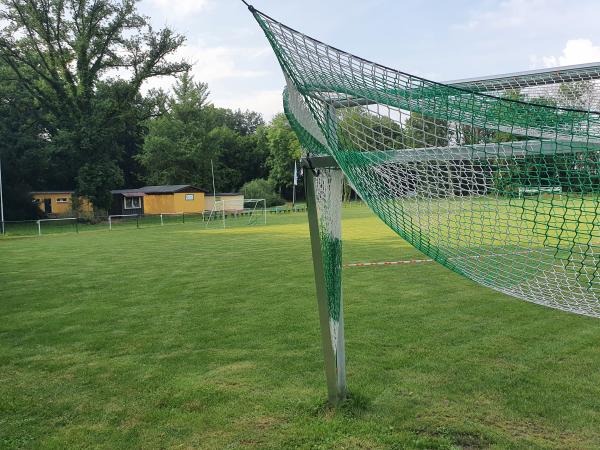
440	40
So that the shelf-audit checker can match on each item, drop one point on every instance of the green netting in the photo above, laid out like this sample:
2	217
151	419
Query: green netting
498	181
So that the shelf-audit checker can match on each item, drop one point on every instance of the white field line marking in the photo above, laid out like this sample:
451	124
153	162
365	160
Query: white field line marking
423	261
389	263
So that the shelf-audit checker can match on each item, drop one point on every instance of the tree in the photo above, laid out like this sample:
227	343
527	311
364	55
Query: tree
71	57
192	134
284	149
261	188
22	147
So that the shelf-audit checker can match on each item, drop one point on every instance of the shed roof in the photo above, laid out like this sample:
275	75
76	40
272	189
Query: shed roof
170	189
126	191
225	194
51	192
167	189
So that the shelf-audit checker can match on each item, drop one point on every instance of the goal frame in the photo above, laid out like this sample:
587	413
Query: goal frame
114	216
256	202
214	210
335	369
39	223
162	222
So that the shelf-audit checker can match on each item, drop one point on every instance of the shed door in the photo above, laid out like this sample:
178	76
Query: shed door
48	205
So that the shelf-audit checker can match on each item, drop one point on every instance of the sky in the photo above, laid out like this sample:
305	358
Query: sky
438	40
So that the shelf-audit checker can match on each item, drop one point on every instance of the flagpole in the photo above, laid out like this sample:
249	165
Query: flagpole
295	184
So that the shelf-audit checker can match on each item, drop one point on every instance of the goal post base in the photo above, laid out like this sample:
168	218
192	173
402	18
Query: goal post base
323	198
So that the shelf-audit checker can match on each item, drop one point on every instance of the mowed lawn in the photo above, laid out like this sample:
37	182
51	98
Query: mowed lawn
182	337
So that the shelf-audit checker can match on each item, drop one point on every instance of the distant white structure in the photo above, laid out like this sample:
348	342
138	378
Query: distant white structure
233	202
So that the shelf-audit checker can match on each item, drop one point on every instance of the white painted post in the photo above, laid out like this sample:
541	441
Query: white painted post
323	236
39	228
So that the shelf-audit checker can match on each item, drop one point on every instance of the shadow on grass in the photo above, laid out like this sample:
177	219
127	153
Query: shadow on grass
355	405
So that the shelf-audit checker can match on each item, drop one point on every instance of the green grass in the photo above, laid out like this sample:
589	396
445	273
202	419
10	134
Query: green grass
183	337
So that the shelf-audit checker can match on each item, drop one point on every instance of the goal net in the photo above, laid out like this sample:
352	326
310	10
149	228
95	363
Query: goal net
496	179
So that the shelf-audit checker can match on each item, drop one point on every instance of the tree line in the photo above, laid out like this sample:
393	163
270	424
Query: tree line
73	114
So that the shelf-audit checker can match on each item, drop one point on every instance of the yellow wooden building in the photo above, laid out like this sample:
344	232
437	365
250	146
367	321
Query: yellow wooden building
60	203
181	198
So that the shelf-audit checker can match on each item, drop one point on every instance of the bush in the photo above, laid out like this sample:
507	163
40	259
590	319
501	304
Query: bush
262	189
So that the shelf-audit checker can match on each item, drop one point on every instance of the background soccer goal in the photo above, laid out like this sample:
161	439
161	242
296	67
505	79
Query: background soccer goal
255	209
123	221
61	225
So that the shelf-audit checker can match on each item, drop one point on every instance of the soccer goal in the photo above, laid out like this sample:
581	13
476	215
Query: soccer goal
216	213
61	225
169	218
256	210
441	164
123	220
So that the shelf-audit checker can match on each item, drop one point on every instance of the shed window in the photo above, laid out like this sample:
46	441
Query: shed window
133	202
189	197
62	200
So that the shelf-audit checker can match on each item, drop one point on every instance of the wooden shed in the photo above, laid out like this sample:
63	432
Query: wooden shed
59	203
127	202
181	198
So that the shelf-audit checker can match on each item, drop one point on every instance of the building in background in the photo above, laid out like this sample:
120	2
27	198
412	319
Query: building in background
169	199
233	201
180	198
60	203
127	202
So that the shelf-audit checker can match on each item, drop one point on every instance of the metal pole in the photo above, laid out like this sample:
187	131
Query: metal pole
335	391
1	200
161	221
39	228
295	184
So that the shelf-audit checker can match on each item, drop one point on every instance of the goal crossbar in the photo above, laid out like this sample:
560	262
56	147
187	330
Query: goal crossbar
491	83
456	153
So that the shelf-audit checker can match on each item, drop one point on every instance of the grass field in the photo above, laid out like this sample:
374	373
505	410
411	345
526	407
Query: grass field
183	337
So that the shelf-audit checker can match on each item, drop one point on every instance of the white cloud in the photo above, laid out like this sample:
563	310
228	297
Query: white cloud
532	17
182	8
268	102
216	63
576	51
212	64
508	14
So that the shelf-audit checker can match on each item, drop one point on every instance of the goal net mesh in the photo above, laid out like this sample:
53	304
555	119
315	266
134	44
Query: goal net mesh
497	179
